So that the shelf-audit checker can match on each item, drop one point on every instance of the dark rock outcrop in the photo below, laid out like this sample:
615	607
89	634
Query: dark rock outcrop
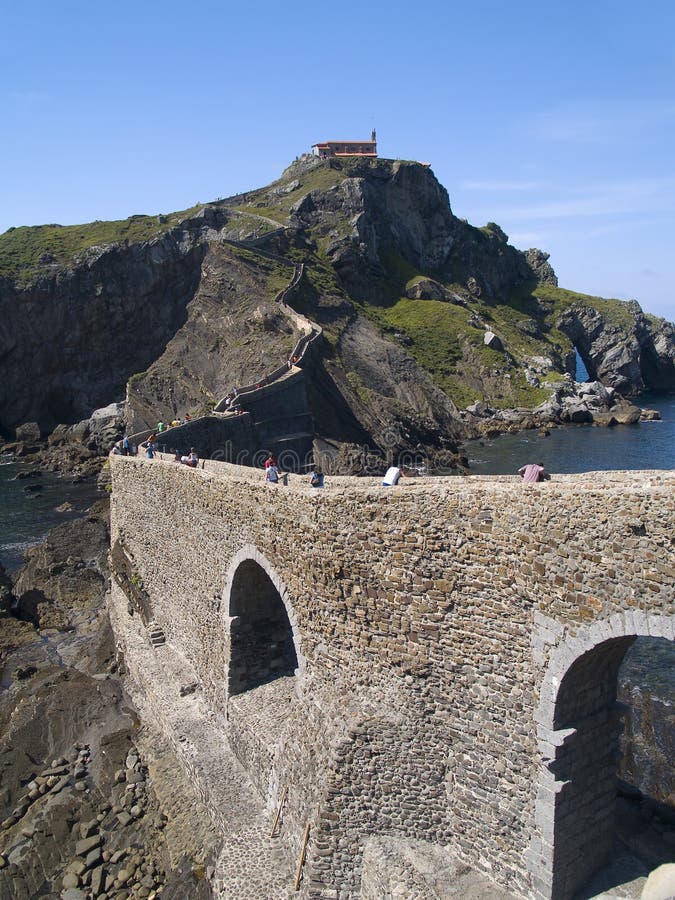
400	208
233	334
66	573
6	595
538	261
428	289
646	686
108	316
630	356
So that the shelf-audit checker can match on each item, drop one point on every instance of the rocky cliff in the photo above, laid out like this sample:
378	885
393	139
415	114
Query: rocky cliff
422	313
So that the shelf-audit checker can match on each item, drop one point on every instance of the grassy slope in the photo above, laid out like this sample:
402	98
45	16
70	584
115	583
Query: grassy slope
442	339
21	249
276	204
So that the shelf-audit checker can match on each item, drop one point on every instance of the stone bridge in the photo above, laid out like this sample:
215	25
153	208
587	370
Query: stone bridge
433	662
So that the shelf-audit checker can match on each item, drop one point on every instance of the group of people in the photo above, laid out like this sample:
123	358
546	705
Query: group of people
231	405
188	459
530	473
273	475
124	447
151	446
174	423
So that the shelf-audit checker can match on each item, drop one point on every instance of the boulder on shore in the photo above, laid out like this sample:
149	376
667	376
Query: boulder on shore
660	884
29	432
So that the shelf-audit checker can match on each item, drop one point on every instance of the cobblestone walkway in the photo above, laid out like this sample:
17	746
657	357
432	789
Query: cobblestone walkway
251	866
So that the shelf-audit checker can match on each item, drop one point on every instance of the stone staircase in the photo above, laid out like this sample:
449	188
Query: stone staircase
254	396
156	635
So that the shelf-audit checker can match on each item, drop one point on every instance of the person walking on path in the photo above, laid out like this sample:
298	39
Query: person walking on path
533	472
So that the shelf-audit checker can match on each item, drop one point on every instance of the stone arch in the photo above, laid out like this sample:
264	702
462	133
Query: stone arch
578	731
264	638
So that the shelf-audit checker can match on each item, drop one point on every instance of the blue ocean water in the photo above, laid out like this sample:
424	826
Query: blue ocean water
584	448
27	515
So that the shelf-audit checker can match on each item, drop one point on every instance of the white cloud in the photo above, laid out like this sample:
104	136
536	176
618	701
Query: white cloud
628	197
500	185
584	124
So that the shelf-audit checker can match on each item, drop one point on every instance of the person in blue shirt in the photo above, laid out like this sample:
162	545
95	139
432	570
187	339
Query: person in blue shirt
316	478
272	474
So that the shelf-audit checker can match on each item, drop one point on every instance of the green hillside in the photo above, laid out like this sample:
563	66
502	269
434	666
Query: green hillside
24	251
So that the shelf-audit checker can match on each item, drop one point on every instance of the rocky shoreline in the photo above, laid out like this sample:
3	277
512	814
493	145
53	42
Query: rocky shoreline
92	803
571	403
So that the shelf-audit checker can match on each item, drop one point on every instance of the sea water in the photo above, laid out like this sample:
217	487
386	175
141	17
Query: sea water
27	515
583	448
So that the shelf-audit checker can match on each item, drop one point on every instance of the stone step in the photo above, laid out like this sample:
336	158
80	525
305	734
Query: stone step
156	635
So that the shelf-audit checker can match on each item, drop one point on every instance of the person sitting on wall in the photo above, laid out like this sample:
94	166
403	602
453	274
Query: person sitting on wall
115	450
191	460
316	478
271	474
392	476
533	472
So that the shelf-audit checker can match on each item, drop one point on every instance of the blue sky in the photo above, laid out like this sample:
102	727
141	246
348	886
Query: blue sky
555	120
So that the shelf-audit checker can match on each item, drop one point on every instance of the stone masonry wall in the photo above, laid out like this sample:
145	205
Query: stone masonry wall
278	419
427	619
